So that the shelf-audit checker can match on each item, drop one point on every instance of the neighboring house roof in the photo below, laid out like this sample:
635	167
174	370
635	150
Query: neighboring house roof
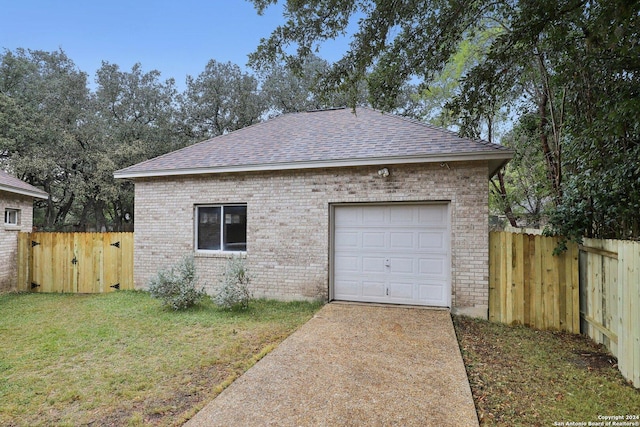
12	184
323	138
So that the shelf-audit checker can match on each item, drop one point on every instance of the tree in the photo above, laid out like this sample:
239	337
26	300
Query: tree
393	37
220	100
574	63
603	154
522	190
43	102
58	135
135	120
288	90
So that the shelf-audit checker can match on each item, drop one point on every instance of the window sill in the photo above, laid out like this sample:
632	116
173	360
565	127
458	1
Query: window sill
12	227
219	254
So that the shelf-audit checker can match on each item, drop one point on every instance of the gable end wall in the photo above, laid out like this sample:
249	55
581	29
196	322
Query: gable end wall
288	223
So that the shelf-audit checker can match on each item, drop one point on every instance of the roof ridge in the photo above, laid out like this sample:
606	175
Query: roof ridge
319	110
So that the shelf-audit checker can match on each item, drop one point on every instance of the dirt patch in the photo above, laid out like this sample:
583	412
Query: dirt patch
175	409
594	360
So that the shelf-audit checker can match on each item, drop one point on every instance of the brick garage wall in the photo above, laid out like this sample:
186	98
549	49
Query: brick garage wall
9	237
288	222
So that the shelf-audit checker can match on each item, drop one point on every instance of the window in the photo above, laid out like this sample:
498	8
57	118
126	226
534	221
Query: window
12	216
221	228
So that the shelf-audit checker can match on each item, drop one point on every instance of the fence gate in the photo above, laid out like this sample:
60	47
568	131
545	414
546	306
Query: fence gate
75	262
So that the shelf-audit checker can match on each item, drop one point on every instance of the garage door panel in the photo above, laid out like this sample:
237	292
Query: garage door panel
432	293
347	289
373	240
372	216
432	240
347	216
392	254
348	264
401	240
402	266
435	266
345	239
402	215
401	290
433	217
373	289
373	264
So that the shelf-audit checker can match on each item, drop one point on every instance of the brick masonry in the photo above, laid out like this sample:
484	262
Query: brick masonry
9	237
288	230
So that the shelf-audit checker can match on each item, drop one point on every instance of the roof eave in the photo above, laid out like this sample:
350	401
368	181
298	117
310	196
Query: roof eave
499	158
24	191
496	164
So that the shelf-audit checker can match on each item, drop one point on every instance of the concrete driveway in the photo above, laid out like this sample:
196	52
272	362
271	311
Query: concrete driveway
354	365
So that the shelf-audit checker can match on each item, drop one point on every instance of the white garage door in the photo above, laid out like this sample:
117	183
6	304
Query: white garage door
396	254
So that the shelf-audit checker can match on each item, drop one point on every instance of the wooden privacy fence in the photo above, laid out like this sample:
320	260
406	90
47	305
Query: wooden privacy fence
75	262
593	288
529	285
610	299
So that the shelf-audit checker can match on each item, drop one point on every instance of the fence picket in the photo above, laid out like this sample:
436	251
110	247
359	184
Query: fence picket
538	289
517	286
573	277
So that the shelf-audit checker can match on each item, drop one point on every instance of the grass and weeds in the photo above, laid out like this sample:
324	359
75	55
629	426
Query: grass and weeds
120	359
525	377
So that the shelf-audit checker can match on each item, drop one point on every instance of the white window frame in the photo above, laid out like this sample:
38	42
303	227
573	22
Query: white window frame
8	214
222	224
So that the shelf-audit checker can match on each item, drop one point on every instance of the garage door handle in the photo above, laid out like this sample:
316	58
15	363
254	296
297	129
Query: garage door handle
387	263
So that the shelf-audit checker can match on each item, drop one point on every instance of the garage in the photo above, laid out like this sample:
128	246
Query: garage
351	204
392	253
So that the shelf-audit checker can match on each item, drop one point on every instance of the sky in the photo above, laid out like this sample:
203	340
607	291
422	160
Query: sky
177	38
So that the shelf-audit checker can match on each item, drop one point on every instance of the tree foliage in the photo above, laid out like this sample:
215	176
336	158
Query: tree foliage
59	135
44	102
134	119
527	194
564	73
291	89
221	99
571	67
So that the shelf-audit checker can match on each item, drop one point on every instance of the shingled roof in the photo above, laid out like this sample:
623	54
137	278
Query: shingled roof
324	138
14	185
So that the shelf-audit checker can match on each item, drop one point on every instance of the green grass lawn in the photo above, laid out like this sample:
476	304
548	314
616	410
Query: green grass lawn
120	359
525	377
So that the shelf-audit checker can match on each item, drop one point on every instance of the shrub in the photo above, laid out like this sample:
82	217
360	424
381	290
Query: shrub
177	287
233	291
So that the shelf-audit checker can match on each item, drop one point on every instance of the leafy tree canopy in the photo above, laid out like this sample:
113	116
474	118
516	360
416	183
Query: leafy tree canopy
221	99
59	135
572	67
